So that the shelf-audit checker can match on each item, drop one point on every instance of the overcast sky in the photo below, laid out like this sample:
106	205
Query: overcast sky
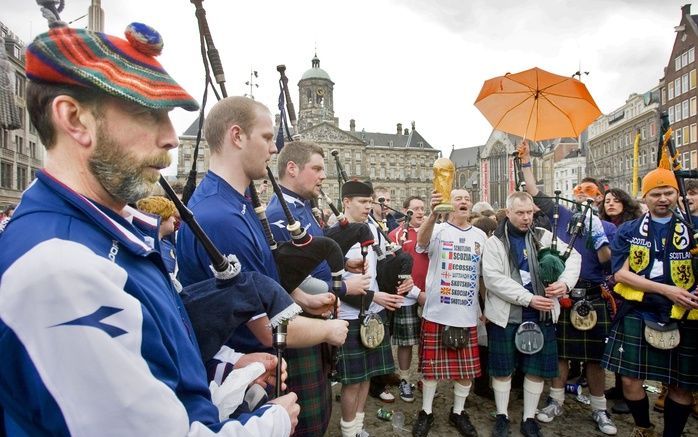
398	61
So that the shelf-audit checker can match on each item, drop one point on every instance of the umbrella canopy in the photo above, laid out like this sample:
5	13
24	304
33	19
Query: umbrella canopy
537	105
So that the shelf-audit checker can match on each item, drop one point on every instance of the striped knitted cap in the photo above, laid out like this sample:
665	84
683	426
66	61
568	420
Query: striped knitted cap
121	68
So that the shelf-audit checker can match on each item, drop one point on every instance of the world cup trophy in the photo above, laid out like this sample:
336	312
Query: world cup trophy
444	172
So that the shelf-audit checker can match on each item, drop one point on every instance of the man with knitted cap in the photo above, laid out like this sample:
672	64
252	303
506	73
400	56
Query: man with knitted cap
652	264
93	337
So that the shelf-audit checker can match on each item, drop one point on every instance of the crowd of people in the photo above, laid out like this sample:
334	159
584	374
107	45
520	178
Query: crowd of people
95	338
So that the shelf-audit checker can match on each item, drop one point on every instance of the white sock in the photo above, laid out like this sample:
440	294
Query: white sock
359	425
460	393
558	394
428	392
598	402
347	428
532	391
501	395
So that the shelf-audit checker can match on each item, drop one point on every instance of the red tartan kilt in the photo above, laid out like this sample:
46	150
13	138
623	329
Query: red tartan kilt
436	361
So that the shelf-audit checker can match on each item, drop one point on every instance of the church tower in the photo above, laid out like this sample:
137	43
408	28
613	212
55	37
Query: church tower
316	97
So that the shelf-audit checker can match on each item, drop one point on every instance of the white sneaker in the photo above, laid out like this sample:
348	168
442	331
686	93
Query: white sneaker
386	396
550	411
603	420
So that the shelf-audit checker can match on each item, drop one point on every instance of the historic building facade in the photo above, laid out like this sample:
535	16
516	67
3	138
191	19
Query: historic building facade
611	141
400	161
679	92
467	162
21	152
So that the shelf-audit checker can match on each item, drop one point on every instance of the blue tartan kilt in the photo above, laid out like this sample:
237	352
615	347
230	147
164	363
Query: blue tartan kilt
504	358
406	326
628	353
573	344
357	363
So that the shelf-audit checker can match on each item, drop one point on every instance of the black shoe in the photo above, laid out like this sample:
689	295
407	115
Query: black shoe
621	407
501	426
462	423
423	424
530	428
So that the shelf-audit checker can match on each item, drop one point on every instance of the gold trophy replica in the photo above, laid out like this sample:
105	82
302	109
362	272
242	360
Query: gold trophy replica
444	172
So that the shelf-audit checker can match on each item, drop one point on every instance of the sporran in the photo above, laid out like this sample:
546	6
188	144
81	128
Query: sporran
529	338
372	331
454	337
583	315
662	336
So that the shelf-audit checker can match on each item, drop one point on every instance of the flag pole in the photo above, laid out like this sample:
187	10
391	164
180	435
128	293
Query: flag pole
636	164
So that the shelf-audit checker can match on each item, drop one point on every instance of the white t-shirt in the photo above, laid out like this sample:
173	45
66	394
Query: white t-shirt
347	312
453	278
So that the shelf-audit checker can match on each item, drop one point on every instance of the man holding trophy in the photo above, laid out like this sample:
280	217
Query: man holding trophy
448	344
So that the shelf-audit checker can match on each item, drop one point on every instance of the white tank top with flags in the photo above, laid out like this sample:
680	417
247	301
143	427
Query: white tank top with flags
453	277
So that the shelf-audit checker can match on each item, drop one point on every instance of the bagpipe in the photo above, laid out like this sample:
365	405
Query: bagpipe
297	258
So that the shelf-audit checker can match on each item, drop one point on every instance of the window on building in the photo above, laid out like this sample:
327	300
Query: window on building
21	177
691	55
32	149
677	112
694	133
643	132
684	82
20	84
357	156
653	129
19	144
382	173
684	108
692	79
694	158
671	114
5	174
670	88
684	59
692	106
32	173
686	159
677	87
686	135
679	138
677	63
663	93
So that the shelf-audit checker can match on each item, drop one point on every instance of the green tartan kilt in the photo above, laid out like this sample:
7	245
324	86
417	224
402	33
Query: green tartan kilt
628	353
357	363
405	327
504	358
573	344
307	377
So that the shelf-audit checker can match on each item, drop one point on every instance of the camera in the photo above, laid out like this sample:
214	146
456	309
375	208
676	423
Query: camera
381	199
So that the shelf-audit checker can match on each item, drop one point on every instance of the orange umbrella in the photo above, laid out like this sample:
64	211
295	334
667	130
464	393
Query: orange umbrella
537	105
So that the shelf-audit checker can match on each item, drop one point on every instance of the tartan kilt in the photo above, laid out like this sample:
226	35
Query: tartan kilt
628	353
573	344
436	361
307	377
357	363
406	326
504	358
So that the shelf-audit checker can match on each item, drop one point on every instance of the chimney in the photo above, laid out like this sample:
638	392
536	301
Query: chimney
413	128
399	128
352	125
407	131
686	9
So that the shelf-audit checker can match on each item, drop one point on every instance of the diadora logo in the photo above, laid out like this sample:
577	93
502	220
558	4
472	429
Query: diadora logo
114	250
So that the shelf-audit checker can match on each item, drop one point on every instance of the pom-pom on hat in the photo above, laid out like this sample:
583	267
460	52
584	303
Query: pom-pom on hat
124	68
159	205
662	176
356	189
